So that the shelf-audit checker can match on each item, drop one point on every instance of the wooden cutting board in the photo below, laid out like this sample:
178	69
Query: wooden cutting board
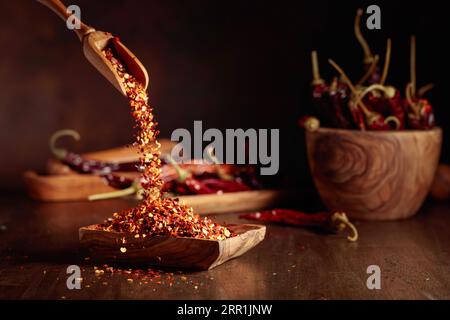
187	253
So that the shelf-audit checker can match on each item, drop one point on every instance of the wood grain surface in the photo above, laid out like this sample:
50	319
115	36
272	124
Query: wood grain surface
38	241
186	253
373	175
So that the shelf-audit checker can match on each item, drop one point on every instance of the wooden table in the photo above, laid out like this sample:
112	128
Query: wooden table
39	241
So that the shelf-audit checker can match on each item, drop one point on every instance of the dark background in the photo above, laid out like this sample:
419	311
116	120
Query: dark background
231	63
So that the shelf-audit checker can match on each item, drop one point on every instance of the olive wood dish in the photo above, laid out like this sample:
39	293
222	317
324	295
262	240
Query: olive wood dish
187	253
370	175
78	187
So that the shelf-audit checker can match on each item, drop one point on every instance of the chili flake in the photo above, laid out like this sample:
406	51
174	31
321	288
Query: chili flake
155	215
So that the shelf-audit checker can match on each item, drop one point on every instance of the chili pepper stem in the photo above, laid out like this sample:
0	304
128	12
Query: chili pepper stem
347	80
409	99
315	69
222	174
340	220
182	174
61	153
388	91
393	119
369	71
421	92
413	65
311	124
387	61
133	189
368	57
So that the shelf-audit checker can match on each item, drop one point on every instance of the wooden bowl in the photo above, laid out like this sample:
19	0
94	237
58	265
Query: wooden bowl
373	175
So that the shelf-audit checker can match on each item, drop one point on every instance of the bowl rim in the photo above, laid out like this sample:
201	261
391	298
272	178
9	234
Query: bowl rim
436	129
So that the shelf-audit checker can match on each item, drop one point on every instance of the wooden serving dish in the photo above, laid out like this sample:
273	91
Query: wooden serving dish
61	183
187	253
373	175
77	187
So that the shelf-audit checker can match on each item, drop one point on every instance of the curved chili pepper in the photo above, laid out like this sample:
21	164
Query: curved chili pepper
376	121
191	185
187	183
321	104
116	181
420	112
82	165
332	221
225	185
357	116
396	108
424	119
339	96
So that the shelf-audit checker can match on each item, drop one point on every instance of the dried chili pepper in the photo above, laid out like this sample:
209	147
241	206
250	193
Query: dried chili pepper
320	94
225	186
337	221
386	101
374	120
397	110
328	100
339	96
372	107
420	112
117	182
82	165
187	183
357	116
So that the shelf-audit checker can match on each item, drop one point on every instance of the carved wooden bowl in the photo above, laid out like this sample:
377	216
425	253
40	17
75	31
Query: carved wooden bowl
373	175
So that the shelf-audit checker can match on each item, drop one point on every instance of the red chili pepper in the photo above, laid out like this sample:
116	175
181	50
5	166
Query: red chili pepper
330	100
421	115
387	109
397	109
225	185
420	112
187	183
322	107
357	116
332	221
192	185
376	121
329	104
117	182
339	96
78	163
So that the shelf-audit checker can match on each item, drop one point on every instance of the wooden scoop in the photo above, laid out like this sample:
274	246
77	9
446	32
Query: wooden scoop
95	41
187	253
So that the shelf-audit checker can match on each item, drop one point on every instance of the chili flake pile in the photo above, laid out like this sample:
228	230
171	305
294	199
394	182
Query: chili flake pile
155	215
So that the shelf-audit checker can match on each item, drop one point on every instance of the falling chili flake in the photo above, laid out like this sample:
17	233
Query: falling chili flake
123	249
155	215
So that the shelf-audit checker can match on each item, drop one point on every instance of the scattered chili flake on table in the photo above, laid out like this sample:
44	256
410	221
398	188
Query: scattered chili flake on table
155	215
